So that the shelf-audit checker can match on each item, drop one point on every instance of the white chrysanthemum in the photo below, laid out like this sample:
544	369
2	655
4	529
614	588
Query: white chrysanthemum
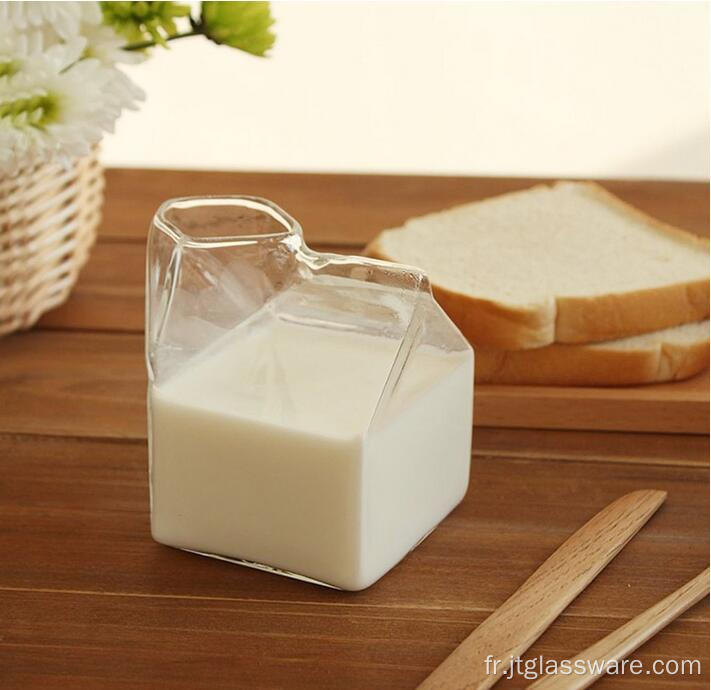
55	104
19	45
62	17
103	43
60	89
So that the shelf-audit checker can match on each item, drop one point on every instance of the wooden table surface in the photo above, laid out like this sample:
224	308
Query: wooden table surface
88	600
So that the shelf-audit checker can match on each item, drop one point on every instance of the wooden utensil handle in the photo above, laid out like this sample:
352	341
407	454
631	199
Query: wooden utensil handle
508	632
622	642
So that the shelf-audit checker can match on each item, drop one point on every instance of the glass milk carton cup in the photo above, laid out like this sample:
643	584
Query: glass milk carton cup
309	414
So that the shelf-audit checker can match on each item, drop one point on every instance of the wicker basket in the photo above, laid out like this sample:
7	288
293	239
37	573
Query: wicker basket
48	220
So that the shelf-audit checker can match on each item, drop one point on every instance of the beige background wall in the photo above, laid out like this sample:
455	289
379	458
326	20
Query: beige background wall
493	88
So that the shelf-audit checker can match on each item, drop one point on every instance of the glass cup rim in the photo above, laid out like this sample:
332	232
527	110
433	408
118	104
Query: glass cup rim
161	222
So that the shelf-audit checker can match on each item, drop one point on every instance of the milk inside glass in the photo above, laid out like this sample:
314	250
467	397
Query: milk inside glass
321	429
293	478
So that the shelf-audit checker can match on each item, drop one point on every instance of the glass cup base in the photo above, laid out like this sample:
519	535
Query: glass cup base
261	566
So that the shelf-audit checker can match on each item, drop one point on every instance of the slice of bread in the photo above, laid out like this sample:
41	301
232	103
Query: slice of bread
668	355
567	263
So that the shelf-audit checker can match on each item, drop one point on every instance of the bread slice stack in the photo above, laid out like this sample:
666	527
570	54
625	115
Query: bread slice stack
564	284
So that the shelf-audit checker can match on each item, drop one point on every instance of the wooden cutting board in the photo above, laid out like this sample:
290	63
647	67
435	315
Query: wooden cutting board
676	408
339	213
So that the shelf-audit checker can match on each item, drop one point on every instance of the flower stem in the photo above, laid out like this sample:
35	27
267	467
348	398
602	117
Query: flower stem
149	44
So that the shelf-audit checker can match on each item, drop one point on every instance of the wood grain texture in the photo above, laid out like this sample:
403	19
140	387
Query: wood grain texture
110	293
689	450
75	384
485	655
352	209
88	600
83	505
93	641
620	643
680	407
101	388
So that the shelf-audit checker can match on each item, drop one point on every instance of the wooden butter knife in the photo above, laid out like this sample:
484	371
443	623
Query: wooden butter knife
620	643
508	632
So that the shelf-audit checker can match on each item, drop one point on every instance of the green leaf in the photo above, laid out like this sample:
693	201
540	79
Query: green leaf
242	25
144	21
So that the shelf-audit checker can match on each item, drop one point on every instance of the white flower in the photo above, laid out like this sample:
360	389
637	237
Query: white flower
62	17
14	48
106	45
55	106
59	87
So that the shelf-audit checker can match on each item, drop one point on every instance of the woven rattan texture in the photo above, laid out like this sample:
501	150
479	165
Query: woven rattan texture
49	215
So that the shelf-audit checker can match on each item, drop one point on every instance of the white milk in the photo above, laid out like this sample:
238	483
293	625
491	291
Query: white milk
265	450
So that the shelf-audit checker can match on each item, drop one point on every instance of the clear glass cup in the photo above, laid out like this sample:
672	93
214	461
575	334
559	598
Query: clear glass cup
309	414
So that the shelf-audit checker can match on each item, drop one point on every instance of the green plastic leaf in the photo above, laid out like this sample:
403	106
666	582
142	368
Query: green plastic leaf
242	25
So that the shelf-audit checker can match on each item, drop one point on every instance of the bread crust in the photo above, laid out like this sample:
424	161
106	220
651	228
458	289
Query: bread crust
609	317
589	365
487	323
495	325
